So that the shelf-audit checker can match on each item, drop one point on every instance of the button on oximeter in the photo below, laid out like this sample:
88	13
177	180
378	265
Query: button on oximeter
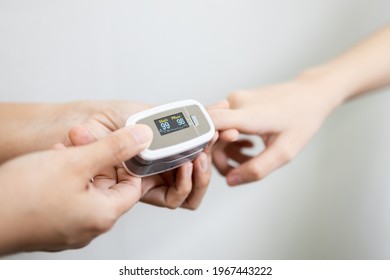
194	120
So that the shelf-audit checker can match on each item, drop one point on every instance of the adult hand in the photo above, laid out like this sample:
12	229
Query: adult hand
284	116
48	202
183	187
45	124
99	119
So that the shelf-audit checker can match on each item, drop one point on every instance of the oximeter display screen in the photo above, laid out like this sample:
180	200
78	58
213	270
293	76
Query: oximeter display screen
171	123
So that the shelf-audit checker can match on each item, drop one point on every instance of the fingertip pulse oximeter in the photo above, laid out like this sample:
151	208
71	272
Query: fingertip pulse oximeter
180	132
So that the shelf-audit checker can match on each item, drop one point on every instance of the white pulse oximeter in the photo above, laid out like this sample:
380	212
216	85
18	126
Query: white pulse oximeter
180	132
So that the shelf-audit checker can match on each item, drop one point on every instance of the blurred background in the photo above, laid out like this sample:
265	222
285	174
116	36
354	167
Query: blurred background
331	202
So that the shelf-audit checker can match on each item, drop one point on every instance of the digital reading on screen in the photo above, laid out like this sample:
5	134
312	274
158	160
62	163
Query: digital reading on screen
171	123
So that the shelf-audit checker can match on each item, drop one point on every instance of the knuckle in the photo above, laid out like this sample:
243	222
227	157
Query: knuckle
235	98
185	190
172	205
202	186
286	155
192	205
255	172
176	200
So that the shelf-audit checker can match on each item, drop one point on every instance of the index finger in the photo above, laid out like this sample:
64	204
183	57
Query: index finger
225	119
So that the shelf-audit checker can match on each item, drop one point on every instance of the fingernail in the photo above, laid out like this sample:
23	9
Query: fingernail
234	180
204	162
142	134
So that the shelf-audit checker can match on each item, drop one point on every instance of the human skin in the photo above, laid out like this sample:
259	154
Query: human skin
32	127
47	201
287	115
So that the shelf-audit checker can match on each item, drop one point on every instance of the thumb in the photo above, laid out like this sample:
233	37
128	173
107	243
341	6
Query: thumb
119	146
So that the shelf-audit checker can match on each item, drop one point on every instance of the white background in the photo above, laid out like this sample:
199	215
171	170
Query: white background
331	202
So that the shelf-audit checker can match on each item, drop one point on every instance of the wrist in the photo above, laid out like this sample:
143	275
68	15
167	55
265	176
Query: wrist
26	128
333	89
